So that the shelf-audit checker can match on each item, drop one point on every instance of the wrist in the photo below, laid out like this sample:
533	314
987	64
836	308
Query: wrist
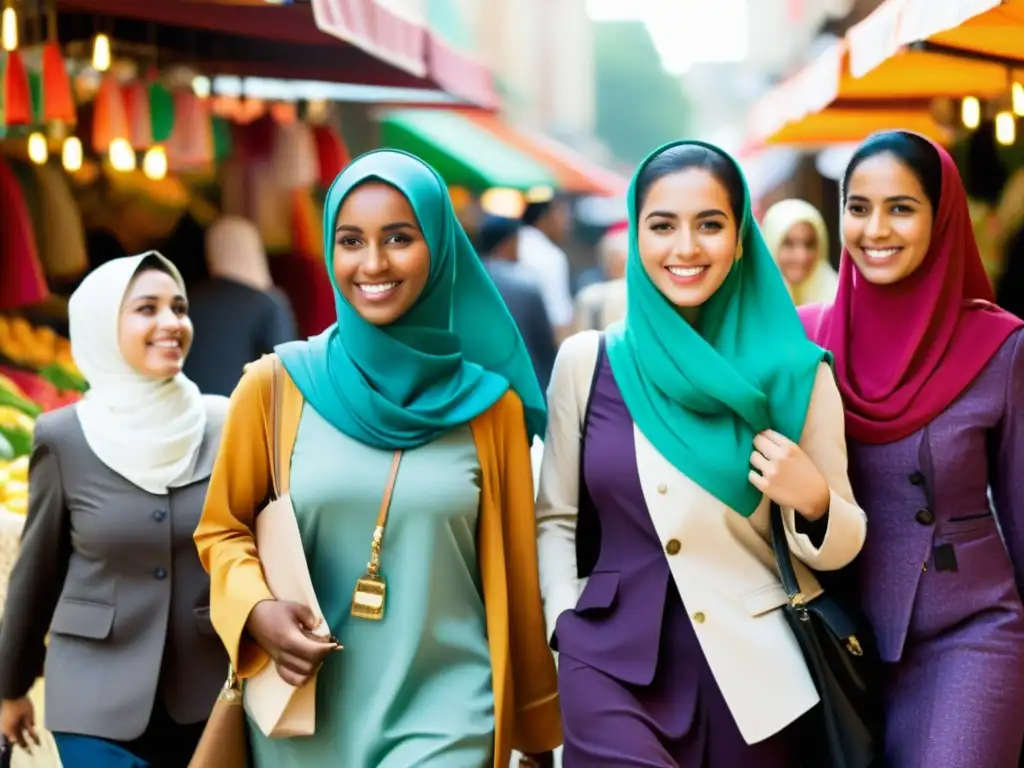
816	508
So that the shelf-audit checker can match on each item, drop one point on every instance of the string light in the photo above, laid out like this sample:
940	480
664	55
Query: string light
9	29
201	86
38	151
1006	128
970	112
154	163
122	156
101	53
71	154
1017	93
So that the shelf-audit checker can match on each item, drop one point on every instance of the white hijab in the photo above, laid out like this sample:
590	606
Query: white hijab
147	431
822	280
234	251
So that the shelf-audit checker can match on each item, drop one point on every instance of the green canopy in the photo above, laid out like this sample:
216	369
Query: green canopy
464	154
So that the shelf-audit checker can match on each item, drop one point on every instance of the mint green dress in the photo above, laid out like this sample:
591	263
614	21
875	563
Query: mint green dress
412	690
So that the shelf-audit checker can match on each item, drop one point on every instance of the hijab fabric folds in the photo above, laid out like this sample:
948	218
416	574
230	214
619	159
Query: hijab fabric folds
822	279
701	394
148	431
904	352
447	360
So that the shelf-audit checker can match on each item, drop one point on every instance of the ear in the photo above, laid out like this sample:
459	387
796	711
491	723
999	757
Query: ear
739	250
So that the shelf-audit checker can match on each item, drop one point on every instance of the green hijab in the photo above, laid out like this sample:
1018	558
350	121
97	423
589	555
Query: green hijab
700	394
447	360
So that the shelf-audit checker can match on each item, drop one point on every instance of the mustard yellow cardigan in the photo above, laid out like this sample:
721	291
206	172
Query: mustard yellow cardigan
526	710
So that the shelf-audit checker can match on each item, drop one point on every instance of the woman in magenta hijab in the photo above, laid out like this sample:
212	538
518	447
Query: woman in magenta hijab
932	376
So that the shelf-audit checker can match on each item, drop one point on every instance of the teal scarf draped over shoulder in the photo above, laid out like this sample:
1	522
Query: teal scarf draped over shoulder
452	356
701	394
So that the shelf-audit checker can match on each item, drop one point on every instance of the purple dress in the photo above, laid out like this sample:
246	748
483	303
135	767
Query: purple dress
635	687
939	587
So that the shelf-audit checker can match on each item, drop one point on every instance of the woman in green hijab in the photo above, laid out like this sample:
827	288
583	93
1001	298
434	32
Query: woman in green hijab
668	437
408	426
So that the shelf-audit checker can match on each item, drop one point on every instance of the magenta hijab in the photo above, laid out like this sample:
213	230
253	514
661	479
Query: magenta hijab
904	352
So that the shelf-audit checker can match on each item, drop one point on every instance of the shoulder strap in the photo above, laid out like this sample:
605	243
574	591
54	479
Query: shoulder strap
588	525
276	396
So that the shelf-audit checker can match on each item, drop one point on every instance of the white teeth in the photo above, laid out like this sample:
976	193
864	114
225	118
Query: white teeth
880	253
167	344
686	271
377	287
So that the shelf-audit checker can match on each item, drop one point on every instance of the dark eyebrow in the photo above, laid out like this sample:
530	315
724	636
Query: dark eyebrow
177	297
660	214
386	228
893	199
711	212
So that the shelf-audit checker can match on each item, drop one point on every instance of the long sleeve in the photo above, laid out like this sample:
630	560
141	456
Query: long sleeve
1007	478
280	326
38	576
541	342
239	486
824	441
537	716
558	495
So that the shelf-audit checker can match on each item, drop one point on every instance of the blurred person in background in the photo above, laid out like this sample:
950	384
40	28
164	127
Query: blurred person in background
796	236
238	314
706	403
546	225
932	377
600	304
423	386
498	240
107	564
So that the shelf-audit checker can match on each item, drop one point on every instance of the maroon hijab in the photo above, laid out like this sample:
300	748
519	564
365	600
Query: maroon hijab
904	352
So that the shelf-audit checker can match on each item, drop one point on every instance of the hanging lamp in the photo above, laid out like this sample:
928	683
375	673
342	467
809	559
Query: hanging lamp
109	119
58	102
17	96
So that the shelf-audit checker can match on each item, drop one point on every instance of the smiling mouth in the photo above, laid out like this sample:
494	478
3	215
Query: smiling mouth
687	274
378	291
880	255
167	344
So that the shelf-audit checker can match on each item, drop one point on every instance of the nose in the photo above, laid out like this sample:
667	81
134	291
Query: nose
686	244
878	227
168	320
376	261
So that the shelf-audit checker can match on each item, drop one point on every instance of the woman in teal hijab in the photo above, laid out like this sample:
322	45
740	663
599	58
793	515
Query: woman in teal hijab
411	420
699	409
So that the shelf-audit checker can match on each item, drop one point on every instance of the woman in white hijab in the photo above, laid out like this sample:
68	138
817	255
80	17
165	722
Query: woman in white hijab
107	564
795	233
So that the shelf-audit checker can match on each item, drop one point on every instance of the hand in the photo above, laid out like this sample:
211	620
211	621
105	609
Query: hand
787	476
285	631
18	722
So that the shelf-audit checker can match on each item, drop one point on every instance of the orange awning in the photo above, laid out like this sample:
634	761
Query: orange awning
883	74
574	173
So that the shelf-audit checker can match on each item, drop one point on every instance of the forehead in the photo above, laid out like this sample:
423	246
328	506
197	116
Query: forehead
802	230
689	190
375	202
884	175
152	282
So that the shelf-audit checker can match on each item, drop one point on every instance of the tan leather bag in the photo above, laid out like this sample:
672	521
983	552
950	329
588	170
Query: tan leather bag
277	708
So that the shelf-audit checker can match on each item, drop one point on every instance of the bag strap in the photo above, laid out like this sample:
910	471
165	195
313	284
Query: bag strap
588	525
373	566
276	406
784	558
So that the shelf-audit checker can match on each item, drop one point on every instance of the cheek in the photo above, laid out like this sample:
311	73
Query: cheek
852	229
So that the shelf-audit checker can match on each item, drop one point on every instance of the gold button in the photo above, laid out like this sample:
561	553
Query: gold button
673	546
698	617
662	488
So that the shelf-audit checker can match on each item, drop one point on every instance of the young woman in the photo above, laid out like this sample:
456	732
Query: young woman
107	564
796	236
424	359
932	376
706	403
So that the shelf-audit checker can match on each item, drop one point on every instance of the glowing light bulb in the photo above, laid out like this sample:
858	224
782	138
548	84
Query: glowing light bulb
500	201
154	163
122	156
101	53
1017	93
970	112
1006	128
38	151
201	86
71	154
9	29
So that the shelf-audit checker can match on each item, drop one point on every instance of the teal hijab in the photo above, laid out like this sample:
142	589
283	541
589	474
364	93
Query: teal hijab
700	394
447	360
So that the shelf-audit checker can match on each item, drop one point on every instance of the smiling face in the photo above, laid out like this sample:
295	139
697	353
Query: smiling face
381	260
687	236
798	252
887	219
154	330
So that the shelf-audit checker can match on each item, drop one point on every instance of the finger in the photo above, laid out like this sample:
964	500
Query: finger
31	730
757	481
778	438
18	737
313	651
292	678
296	665
759	462
766	446
305	616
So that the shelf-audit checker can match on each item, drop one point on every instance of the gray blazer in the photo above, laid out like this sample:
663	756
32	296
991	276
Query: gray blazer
112	572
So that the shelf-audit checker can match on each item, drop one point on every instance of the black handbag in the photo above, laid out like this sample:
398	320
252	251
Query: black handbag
843	731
